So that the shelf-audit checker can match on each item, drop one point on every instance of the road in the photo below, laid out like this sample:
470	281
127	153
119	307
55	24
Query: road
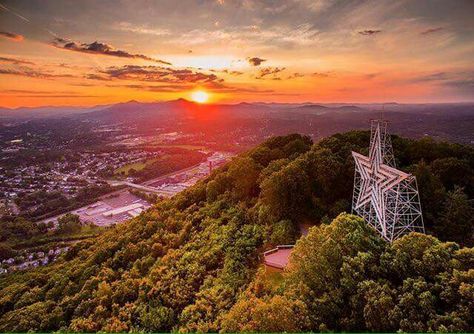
122	198
145	185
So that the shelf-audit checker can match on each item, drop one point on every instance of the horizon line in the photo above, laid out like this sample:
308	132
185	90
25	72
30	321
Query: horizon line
236	103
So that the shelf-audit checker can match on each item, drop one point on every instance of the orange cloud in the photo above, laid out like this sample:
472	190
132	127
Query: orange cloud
154	74
11	36
15	61
369	32
255	61
100	48
32	73
431	31
270	71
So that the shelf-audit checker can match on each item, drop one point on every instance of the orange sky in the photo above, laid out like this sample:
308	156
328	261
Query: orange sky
73	53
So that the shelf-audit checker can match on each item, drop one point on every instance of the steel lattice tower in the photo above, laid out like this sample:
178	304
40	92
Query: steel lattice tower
384	196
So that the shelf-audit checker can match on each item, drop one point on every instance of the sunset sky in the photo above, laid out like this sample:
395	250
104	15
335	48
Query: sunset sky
70	52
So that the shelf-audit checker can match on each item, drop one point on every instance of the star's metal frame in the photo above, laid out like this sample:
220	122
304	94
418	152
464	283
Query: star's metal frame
384	196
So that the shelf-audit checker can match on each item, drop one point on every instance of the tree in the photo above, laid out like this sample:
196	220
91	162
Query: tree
156	319
244	174
267	315
432	193
316	262
69	223
6	251
284	232
456	221
454	172
353	280
287	192
217	186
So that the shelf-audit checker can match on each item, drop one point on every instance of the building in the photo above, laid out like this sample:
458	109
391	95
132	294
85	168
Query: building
277	259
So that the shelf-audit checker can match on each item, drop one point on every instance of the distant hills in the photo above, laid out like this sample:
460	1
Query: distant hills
454	122
27	113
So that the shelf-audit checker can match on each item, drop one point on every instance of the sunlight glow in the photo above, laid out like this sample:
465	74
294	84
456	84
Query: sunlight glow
200	96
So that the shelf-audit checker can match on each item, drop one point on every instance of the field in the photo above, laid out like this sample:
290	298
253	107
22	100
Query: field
169	161
137	166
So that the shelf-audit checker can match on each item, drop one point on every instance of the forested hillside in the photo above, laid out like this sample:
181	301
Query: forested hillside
194	262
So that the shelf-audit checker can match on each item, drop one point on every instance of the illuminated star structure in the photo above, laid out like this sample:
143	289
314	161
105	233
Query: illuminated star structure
384	196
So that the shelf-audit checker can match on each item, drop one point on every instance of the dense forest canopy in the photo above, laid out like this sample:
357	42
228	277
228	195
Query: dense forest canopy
194	262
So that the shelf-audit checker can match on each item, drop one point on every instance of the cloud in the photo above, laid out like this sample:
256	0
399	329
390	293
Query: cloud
437	76
286	36
431	31
269	71
154	88
101	48
82	84
256	61
15	61
31	73
43	93
370	76
467	83
129	27
296	75
154	74
369	32
462	81
224	88
226	71
56	96
233	72
93	76
11	36
214	86
320	74
27	91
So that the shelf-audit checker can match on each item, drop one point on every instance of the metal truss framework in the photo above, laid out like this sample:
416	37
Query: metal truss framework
384	196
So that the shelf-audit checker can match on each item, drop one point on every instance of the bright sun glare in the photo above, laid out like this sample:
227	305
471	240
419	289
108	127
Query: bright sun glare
200	96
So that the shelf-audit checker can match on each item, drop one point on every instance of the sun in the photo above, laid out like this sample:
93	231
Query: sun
200	96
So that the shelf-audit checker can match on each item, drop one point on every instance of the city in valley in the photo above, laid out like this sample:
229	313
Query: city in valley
98	174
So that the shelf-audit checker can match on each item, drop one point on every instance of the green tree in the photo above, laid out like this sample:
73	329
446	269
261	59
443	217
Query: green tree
244	174
283	233
454	172
69	223
317	260
432	193
268	315
456	220
156	319
287	192
6	251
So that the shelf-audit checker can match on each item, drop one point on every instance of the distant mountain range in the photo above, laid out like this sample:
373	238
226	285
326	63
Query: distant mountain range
453	122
